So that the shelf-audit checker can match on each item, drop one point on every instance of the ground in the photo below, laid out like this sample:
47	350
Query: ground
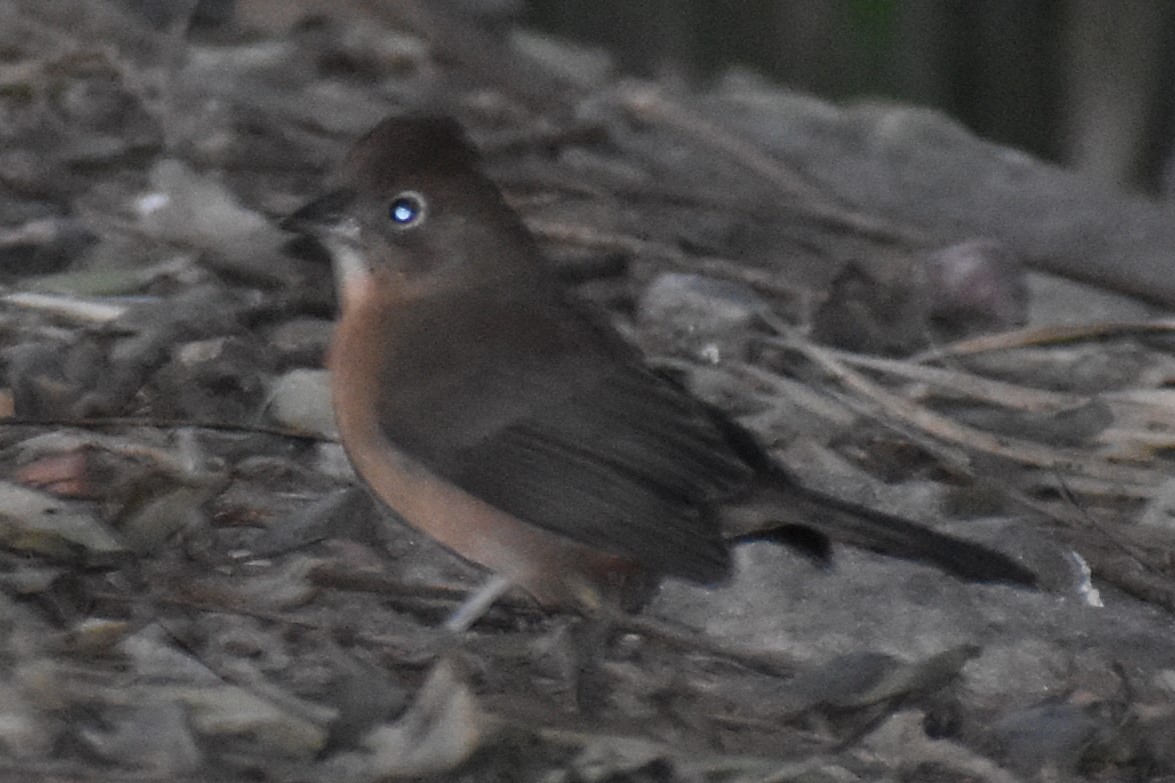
194	587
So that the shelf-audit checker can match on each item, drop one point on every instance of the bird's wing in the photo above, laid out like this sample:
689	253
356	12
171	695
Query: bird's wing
539	413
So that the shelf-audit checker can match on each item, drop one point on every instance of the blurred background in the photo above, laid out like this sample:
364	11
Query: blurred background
1086	83
1083	82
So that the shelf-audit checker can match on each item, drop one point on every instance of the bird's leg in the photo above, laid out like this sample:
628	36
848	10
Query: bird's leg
477	604
590	636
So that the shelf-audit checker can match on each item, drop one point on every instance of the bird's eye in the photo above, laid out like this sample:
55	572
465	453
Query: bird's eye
407	209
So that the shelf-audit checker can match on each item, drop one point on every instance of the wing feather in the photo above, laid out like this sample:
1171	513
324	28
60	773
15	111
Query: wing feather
566	432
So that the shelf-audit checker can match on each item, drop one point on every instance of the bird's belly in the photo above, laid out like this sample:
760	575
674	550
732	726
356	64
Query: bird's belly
553	569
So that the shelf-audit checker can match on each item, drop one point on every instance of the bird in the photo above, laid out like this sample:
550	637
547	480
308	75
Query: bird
493	409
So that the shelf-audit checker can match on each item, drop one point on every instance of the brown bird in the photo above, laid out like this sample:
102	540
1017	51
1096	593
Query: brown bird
496	412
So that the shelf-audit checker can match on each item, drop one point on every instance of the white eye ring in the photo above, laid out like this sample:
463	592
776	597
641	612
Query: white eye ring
407	210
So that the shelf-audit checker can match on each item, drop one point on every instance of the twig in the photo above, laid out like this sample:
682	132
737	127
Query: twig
1044	335
893	407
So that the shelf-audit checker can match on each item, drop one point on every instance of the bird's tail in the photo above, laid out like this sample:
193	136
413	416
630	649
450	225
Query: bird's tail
806	519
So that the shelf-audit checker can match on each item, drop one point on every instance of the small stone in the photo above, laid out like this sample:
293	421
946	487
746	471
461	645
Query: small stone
977	284
705	318
300	399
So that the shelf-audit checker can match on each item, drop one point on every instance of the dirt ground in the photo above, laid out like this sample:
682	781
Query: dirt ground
193	586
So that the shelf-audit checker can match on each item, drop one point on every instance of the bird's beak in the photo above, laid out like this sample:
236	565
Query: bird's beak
322	215
328	221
